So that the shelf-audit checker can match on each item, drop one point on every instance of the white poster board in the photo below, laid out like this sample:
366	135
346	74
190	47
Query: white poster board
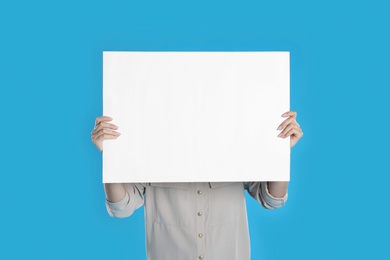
196	116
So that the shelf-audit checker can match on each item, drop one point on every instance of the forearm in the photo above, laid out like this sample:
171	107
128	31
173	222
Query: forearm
114	191
277	188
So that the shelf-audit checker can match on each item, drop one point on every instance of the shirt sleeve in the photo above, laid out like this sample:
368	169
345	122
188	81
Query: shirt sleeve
259	191
133	199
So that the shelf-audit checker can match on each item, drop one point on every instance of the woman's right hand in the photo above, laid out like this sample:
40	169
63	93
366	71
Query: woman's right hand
103	130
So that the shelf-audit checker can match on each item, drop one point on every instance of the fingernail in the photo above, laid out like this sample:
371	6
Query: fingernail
284	115
280	135
279	128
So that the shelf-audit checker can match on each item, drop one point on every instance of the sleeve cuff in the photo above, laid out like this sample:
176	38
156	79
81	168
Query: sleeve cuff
271	201
115	208
259	191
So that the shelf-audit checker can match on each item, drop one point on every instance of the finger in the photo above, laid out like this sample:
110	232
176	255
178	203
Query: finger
108	125
103	137
294	131
104	125
97	129
104	131
101	119
285	123
288	128
95	137
290	113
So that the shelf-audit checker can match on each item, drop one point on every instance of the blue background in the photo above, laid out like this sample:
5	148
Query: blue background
52	199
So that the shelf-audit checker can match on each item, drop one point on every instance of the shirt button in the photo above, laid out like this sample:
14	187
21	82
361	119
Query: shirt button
200	235
201	257
200	214
199	192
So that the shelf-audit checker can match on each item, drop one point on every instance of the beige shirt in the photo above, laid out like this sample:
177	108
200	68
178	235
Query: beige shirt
192	221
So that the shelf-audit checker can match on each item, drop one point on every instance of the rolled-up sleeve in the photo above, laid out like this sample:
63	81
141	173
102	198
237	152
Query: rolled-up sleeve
133	199
259	191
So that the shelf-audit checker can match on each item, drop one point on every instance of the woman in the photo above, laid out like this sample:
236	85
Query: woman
194	220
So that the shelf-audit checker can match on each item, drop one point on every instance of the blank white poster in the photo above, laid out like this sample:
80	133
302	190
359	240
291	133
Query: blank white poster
196	116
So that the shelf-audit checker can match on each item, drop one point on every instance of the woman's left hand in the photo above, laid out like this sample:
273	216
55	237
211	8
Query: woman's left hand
290	128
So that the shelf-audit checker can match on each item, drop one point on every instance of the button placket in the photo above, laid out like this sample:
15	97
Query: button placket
200	220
